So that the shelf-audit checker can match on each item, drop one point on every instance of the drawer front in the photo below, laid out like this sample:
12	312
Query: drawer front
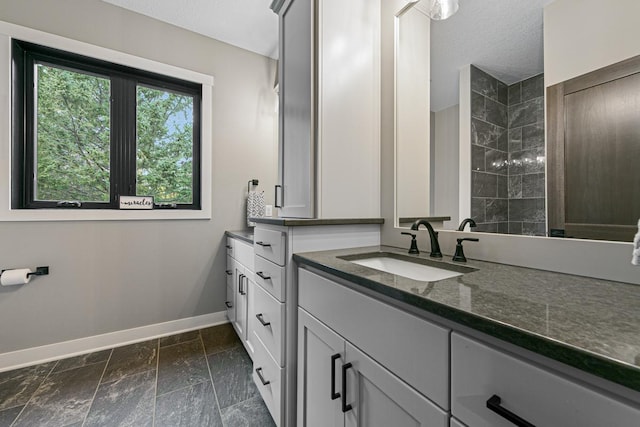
269	323
271	277
272	392
270	244
479	372
380	331
243	252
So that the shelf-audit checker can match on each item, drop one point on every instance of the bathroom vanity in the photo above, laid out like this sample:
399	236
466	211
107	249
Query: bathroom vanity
549	349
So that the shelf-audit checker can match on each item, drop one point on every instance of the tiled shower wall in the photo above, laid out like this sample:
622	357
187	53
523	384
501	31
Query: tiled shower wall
507	154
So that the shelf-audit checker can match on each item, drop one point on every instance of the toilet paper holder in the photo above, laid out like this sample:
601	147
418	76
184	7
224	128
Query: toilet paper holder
40	271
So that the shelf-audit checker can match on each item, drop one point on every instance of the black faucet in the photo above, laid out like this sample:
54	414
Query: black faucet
433	235
466	221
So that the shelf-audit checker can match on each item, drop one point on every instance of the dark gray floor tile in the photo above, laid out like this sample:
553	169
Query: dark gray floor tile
82	360
219	338
179	338
181	365
250	413
131	359
191	406
231	373
63	398
17	386
9	415
128	401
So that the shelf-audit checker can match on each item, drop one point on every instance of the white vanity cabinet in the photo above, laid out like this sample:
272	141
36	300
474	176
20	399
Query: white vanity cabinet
364	363
240	289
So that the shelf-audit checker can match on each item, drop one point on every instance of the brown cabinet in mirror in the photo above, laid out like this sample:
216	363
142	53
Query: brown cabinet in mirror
593	153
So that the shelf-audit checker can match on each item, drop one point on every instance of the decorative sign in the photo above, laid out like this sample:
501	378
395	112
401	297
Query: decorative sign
136	202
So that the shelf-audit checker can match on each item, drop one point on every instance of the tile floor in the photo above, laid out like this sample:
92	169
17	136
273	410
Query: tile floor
198	378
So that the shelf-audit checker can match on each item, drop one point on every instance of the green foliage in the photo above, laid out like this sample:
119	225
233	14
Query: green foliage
73	139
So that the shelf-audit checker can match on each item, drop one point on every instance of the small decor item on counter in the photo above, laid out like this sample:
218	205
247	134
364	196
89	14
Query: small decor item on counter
635	260
255	202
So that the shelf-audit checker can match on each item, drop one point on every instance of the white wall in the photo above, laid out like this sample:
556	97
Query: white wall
447	153
584	35
113	275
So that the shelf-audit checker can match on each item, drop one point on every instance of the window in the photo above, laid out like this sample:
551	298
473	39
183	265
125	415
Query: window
87	131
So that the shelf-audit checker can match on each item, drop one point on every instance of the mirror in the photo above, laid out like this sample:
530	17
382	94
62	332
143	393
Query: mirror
486	129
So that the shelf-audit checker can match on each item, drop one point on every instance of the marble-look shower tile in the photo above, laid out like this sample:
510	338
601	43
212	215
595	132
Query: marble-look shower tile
190	406
17	386
527	210
477	106
82	360
219	338
496	113
179	338
484	184
503	228
503	140
181	365
478	209
485	134
533	111
534	228
515	228
488	227
7	416
533	185
131	359
515	187
515	94
516	115
63	398
127	402
497	210
484	83
526	161
503	93
477	158
533	136
250	413
515	139
533	87
496	161
503	186
231	373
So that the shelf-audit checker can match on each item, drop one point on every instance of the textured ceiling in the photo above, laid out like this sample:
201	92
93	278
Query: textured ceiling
248	24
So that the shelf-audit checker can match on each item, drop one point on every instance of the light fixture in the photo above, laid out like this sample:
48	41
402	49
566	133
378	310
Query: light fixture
439	10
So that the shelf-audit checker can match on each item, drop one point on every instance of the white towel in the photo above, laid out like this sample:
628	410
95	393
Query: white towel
635	259
255	206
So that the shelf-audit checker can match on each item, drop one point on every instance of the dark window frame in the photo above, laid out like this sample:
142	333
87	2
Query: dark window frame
124	82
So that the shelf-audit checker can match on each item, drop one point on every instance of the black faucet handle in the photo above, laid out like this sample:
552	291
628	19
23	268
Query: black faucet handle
468	239
459	255
414	243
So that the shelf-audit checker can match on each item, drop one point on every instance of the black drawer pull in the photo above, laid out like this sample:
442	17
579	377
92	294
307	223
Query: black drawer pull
228	304
263	244
262	380
240	281
275	197
229	246
261	275
261	319
494	404
229	272
334	395
345	407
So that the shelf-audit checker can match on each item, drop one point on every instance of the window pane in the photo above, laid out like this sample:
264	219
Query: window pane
165	145
72	135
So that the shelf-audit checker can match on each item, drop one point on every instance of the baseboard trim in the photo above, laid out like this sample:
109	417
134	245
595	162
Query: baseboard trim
46	353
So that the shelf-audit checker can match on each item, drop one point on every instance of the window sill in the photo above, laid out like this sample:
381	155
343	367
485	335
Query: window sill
27	215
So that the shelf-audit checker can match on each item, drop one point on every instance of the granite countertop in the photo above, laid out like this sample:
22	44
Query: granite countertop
246	235
292	222
590	324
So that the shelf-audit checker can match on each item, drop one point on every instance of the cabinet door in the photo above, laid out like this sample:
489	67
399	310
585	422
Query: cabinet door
295	196
380	399
320	359
231	290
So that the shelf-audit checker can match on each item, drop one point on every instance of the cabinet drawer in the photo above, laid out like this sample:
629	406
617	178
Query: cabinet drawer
272	389
243	253
542	398
270	311
271	277
415	350
270	244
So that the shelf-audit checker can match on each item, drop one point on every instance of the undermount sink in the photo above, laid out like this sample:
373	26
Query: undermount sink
420	269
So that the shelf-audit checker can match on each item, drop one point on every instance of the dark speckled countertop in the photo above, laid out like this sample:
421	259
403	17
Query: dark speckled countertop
591	324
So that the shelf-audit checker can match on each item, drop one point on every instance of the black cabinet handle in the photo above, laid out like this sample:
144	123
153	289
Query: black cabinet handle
261	319
240	290
261	275
275	198
228	304
494	404
262	380
229	272
334	395
229	246
263	244
345	407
